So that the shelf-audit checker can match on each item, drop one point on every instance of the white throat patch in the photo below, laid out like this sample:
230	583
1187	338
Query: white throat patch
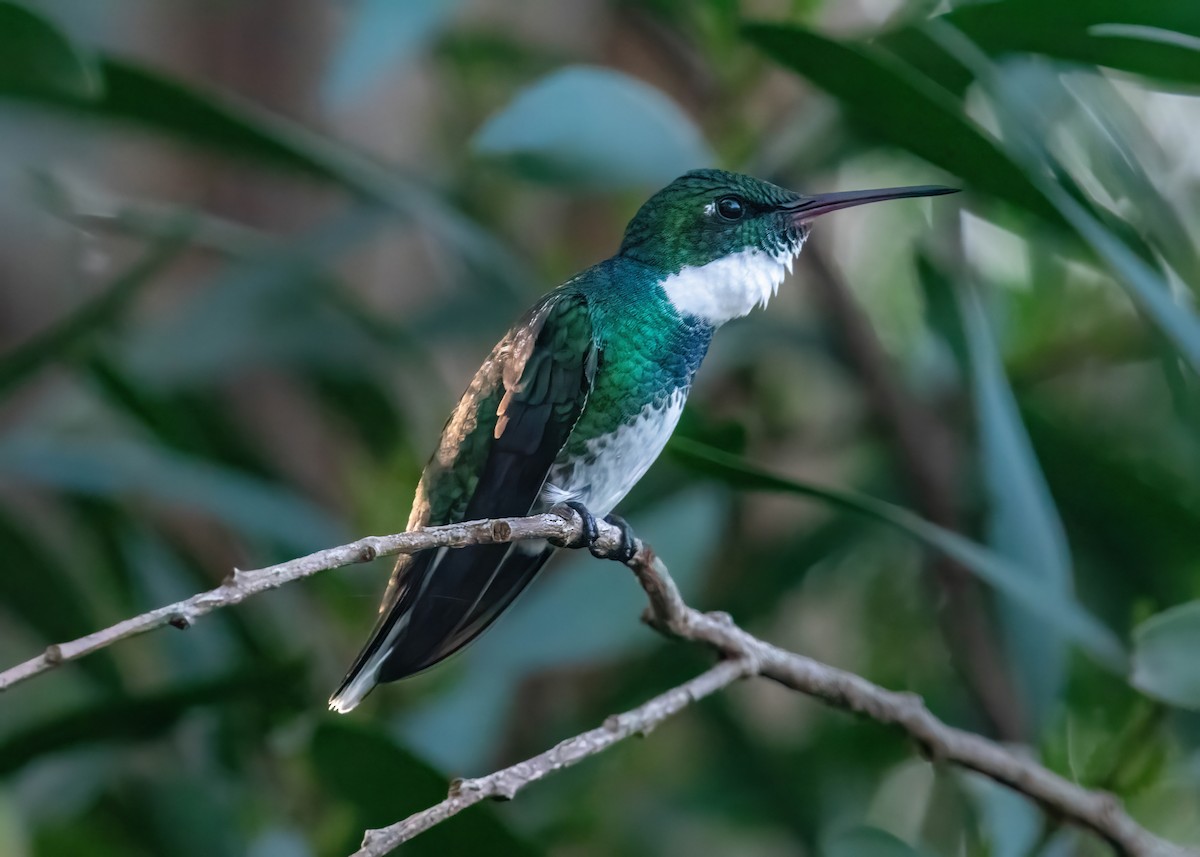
730	287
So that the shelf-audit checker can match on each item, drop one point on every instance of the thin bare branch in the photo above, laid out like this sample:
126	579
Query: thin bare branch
504	784
240	585
1100	812
743	655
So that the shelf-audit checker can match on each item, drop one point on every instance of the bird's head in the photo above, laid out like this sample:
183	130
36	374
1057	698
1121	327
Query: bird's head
723	241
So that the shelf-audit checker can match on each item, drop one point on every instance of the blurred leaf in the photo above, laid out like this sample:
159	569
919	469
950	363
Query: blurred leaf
893	103
1144	285
1011	824
594	127
185	816
265	311
95	313
280	842
1165	661
133	94
370	411
13	834
196	117
942	313
118	467
1023	522
867	842
385	783
383	33
96	209
1156	39
144	718
36	59
780	567
1130	509
1147	289
1062	612
196	422
37	588
1123	149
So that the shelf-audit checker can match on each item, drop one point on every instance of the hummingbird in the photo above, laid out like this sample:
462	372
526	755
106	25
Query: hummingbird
578	399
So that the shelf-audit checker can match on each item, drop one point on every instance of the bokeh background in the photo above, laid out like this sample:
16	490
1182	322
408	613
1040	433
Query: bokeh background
250	254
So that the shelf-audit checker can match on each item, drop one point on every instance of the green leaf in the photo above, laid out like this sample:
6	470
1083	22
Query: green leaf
1129	509
385	782
37	588
1023	522
867	842
1124	152
891	102
1156	40
109	467
894	103
1061	612
1165	661
1010	822
145	717
261	311
197	117
594	127
382	34
96	313
37	59
1145	287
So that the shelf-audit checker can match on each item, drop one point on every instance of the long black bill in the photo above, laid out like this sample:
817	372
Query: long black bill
823	203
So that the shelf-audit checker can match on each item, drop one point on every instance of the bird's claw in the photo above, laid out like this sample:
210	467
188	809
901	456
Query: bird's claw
627	548
590	534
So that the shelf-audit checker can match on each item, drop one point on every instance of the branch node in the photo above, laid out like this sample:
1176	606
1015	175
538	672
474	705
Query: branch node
1111	807
232	579
366	553
752	664
461	786
370	837
501	531
54	654
182	621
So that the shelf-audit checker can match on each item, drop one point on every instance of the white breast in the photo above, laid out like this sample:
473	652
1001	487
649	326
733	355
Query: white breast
613	463
730	287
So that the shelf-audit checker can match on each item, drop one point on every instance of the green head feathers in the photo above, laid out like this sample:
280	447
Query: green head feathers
705	215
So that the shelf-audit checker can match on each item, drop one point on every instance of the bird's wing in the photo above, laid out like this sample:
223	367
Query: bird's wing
493	458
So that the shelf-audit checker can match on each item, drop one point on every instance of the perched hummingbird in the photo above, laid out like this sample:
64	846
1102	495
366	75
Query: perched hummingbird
576	402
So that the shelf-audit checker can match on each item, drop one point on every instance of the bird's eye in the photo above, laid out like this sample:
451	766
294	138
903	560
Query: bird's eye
730	208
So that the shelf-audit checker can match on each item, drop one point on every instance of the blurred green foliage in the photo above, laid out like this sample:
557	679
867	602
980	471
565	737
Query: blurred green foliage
250	253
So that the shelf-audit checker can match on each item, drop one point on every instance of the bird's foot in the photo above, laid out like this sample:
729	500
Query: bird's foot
590	534
626	548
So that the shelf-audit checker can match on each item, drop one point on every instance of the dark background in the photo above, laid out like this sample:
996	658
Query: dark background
250	254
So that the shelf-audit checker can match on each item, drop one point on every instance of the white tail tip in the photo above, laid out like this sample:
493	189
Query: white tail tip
352	693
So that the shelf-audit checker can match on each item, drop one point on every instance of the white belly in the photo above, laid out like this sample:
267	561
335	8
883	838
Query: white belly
613	463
